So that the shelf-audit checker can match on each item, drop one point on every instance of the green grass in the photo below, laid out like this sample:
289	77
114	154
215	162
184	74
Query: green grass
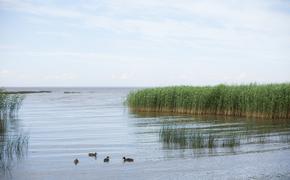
253	100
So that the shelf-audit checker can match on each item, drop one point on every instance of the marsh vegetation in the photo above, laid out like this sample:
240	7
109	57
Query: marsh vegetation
13	144
9	104
12	147
189	138
253	100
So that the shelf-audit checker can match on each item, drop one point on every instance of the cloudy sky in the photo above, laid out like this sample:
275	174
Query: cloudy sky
143	43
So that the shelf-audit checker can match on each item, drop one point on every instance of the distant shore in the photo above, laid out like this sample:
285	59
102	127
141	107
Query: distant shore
24	92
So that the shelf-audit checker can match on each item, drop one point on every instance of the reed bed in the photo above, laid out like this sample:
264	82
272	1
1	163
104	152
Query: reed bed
253	100
11	145
9	104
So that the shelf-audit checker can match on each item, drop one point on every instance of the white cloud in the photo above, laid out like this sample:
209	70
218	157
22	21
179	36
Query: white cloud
169	35
61	77
121	76
54	34
4	72
193	23
7	47
38	9
83	56
248	15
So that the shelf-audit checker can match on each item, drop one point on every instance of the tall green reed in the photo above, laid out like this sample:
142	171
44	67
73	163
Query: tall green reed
252	100
11	145
9	104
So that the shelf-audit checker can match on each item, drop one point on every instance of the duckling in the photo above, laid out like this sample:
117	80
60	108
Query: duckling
92	154
128	159
76	161
107	159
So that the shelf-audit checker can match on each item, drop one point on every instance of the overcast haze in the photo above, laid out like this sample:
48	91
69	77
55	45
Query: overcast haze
143	43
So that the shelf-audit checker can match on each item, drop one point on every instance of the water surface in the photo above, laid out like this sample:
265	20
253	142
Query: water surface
70	122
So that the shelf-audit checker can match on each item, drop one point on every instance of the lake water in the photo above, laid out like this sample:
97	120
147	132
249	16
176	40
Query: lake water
63	126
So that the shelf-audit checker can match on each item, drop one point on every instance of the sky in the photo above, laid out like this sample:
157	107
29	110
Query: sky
143	43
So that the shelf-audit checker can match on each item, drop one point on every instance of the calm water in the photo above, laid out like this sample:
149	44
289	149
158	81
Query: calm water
64	126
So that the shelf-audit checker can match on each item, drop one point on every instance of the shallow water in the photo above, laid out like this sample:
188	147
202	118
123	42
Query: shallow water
64	126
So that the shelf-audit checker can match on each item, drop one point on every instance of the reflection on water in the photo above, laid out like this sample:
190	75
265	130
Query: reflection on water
175	137
13	145
191	138
216	135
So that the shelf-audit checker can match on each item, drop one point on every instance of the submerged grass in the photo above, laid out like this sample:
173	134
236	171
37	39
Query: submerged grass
195	139
231	141
200	139
11	145
207	138
253	100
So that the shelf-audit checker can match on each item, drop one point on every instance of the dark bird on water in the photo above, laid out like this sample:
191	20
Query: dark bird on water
128	159
92	154
107	159
76	161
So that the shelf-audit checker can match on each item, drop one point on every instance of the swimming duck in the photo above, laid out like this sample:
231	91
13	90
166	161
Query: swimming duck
92	154
107	159
76	161
128	159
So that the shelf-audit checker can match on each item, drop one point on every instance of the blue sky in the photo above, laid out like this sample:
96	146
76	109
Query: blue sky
143	43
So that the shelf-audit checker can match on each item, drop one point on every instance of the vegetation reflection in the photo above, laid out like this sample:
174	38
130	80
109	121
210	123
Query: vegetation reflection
13	144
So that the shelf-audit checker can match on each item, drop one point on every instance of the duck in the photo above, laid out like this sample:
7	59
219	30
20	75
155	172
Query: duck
76	161
128	159
107	159
92	154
